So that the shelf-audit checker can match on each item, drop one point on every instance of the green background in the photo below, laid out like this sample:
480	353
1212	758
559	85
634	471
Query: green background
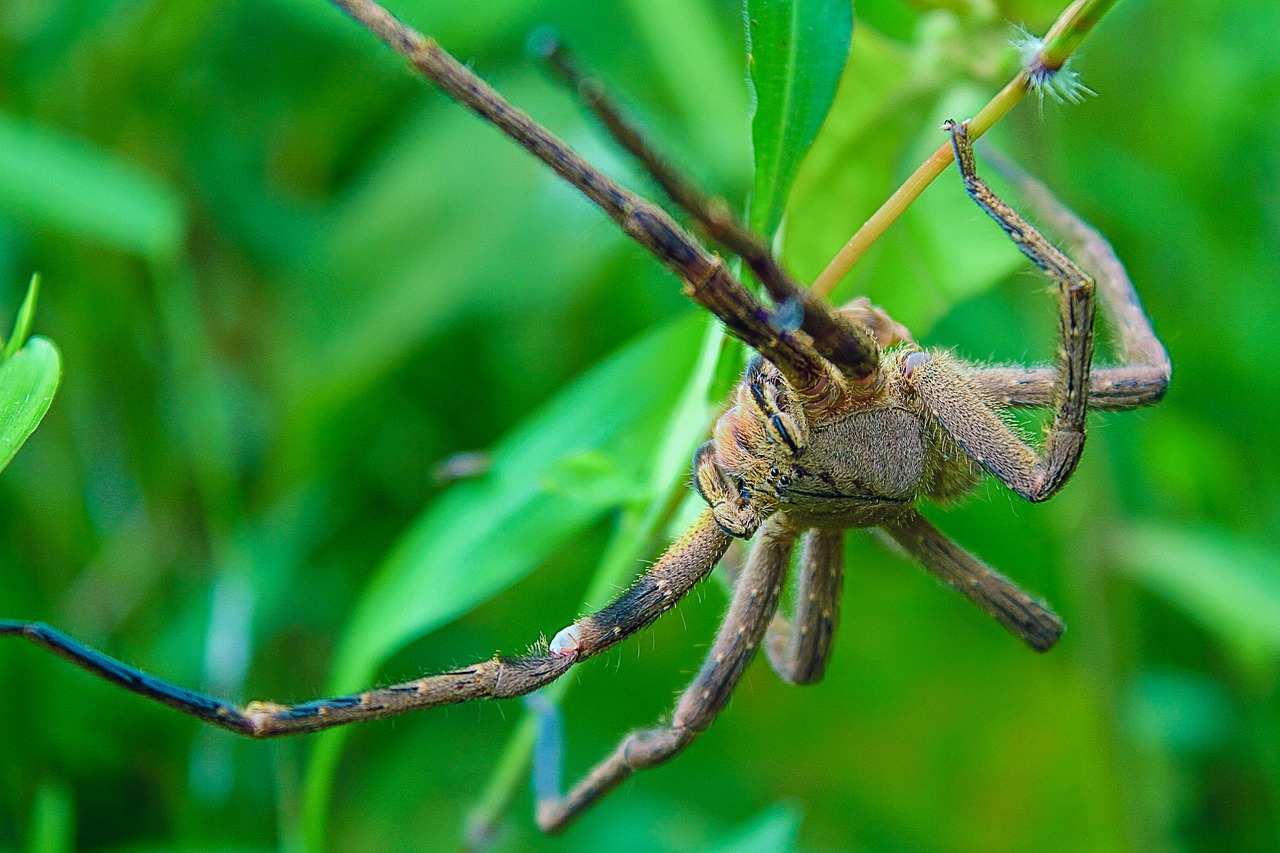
288	279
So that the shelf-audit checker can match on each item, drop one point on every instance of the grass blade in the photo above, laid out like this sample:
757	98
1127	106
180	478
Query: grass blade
1228	584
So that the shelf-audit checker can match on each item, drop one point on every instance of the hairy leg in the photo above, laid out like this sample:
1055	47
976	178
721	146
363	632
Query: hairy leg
1142	375
1035	474
707	279
690	559
755	600
800	647
1014	608
1111	389
846	345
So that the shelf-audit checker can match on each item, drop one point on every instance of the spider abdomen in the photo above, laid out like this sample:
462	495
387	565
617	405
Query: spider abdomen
859	470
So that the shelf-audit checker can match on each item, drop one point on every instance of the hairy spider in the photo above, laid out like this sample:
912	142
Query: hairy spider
841	421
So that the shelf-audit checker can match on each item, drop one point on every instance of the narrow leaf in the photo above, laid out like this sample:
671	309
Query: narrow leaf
53	819
54	181
773	831
28	381
1228	584
797	53
484	535
22	324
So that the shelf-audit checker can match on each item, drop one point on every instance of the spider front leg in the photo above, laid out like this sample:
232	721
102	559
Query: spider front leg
755	600
945	389
847	345
707	280
690	559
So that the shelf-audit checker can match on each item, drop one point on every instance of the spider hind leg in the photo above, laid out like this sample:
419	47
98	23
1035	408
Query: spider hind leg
755	600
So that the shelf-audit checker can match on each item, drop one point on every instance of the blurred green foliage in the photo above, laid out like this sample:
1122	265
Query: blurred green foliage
288	279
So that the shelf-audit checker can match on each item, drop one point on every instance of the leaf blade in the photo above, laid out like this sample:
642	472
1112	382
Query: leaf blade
1227	583
797	53
28	381
22	324
51	180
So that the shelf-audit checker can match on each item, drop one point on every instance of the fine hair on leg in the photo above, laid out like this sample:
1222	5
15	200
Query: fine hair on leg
753	604
1035	474
684	564
1142	373
1017	610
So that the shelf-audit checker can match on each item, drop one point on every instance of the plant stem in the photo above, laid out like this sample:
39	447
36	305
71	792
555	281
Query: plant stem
1066	34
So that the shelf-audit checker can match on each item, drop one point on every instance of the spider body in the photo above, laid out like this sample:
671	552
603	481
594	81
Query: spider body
840	422
862	461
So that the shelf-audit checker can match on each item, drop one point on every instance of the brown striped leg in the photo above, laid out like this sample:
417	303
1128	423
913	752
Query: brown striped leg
754	602
707	280
1142	375
1035	474
690	559
799	648
1111	389
1019	612
847	345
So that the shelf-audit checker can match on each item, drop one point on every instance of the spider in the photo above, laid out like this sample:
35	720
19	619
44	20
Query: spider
840	421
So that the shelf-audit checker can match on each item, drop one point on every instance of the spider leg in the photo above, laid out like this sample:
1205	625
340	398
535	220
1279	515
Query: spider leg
1013	607
778	418
1142	376
707	280
846	345
1111	389
800	647
754	602
1034	474
690	559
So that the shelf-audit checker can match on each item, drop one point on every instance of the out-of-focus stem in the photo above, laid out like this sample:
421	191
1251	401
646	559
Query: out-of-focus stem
1066	34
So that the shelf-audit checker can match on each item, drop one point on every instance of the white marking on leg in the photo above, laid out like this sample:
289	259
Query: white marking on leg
566	642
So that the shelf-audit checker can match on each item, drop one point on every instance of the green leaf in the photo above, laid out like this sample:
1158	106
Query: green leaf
1228	584
484	535
28	381
22	324
55	181
942	251
392	270
700	71
797	51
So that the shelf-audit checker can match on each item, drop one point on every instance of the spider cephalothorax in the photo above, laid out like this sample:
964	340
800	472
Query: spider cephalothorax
860	459
840	422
